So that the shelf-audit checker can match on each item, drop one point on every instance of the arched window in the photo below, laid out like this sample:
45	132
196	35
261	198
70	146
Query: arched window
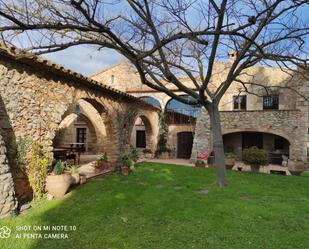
180	113
151	100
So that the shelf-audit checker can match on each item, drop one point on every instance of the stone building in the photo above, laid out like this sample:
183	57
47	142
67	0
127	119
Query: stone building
274	117
112	110
44	102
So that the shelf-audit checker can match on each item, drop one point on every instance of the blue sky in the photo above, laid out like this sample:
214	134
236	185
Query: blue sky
85	59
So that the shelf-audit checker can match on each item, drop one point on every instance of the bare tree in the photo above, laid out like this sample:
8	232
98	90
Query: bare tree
166	39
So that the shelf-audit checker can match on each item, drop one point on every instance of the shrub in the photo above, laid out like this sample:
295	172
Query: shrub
230	155
255	156
125	160
72	170
128	158
103	158
37	168
58	168
133	154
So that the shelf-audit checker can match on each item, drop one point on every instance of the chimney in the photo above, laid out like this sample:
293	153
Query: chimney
232	55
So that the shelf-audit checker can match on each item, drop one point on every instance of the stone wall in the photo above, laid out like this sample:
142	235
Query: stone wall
289	124
7	193
34	100
122	76
202	136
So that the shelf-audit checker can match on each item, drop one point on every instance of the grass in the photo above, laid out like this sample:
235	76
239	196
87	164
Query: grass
164	206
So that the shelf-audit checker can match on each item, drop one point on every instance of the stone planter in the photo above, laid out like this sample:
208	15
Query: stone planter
125	170
83	179
296	167
58	185
229	162
255	168
75	178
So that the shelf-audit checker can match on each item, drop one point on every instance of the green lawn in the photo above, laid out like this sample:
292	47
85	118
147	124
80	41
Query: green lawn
165	206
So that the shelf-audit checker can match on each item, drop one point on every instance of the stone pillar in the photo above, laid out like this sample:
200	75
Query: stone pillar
201	141
7	193
298	151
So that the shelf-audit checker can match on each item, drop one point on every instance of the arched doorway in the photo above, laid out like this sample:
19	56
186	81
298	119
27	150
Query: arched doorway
181	119
141	135
86	129
76	128
275	145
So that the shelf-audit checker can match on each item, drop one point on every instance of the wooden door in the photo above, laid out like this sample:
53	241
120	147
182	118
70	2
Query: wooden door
140	139
184	144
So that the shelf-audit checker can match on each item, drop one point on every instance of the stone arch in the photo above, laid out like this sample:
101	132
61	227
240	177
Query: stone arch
144	124
151	100
260	130
97	120
180	113
275	143
67	132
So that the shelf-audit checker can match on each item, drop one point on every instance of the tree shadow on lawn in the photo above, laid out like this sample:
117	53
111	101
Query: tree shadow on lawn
100	210
118	212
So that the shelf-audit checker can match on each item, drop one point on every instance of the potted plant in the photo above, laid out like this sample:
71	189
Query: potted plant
125	163
58	183
200	163
229	160
127	159
255	157
296	167
101	164
83	178
133	155
73	170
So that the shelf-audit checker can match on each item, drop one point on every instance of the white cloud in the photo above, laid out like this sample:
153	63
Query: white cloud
84	59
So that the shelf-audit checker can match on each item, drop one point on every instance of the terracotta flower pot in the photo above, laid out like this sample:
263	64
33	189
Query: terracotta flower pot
229	162
125	170
296	167
58	185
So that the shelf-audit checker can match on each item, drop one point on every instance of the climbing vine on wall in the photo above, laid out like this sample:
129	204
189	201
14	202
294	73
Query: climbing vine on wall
163	134
33	158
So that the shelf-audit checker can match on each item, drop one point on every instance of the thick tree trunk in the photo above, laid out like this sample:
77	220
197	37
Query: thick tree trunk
217	144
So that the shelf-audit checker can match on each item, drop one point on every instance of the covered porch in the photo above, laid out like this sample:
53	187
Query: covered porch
277	147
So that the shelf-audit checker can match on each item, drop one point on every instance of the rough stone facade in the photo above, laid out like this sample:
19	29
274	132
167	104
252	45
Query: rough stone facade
290	121
38	99
7	193
202	137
